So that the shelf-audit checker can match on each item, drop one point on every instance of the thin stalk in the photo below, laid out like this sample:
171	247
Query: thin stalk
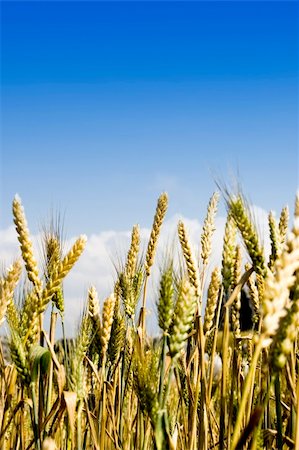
50	379
22	424
142	315
192	439
170	373
66	353
223	400
278	413
203	385
258	429
102	416
234	389
8	422
245	394
79	425
162	371
122	389
297	418
293	403
35	417
251	396
210	384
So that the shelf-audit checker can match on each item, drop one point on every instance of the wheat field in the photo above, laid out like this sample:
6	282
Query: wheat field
217	377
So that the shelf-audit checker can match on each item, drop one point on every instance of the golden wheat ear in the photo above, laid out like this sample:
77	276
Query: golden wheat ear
158	220
212	300
7	287
107	320
189	259
62	269
25	242
52	250
151	251
132	257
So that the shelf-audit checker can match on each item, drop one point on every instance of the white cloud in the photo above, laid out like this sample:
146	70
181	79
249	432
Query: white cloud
107	250
9	248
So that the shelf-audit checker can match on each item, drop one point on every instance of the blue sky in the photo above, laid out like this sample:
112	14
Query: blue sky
106	104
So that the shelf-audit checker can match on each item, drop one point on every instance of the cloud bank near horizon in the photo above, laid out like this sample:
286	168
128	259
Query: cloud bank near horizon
105	254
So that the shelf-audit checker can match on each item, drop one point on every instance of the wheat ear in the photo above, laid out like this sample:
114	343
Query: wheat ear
62	270
278	283
183	318
283	224
254	295
208	229
94	310
132	256
39	303
82	343
241	216
7	287
25	242
158	220
275	239
191	267
228	254
53	257
288	326
107	320
236	306
166	302
212	300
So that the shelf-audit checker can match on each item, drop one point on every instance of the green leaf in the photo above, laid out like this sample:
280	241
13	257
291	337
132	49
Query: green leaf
40	358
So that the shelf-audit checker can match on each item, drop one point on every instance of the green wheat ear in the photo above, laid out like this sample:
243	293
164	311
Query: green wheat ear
165	304
241	216
183	318
228	254
145	383
83	340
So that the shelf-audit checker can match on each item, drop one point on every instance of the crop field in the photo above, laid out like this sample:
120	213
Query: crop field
223	373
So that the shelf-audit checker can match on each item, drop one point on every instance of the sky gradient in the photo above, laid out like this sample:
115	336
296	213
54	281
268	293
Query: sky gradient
104	105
